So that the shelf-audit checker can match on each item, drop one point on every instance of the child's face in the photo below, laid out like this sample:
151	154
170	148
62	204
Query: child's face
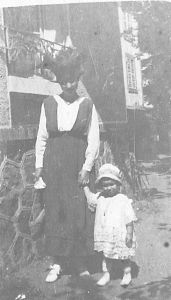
109	187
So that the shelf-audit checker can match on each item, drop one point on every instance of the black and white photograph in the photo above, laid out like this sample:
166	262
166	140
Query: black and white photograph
85	150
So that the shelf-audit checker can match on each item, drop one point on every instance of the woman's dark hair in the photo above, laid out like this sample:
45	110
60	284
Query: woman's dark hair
67	65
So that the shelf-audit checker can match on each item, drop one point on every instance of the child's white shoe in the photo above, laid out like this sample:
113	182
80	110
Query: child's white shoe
126	280
84	273
104	280
53	275
39	184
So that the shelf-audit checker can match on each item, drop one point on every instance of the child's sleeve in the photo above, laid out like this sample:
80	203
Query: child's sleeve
129	212
91	199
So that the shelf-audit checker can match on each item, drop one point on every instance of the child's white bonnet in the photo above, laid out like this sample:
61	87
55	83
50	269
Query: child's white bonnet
109	171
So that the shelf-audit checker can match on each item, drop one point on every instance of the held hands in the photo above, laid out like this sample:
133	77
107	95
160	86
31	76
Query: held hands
90	205
38	173
83	178
128	240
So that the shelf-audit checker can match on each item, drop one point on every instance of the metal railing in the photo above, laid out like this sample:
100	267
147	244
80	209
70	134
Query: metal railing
25	50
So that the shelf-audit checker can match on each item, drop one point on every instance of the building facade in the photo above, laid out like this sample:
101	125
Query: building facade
102	31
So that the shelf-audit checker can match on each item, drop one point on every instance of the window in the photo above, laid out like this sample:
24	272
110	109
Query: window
130	28
128	21
131	74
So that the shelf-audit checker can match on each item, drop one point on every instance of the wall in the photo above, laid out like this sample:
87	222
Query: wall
95	29
21	213
5	116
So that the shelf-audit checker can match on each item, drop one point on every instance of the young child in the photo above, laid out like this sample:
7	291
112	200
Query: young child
114	229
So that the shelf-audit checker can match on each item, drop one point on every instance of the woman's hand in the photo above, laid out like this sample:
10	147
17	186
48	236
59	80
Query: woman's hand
83	178
38	173
128	240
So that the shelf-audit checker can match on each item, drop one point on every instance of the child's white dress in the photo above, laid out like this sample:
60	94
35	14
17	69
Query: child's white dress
112	216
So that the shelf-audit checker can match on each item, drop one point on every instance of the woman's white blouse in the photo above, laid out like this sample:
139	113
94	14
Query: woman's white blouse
67	114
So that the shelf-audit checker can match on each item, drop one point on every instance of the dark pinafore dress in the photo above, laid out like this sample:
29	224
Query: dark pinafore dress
68	222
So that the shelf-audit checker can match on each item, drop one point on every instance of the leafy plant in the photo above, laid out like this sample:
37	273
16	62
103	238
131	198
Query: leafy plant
20	44
134	174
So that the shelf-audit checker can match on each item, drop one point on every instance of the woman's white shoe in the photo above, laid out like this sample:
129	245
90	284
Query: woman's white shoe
104	280
126	280
39	184
53	275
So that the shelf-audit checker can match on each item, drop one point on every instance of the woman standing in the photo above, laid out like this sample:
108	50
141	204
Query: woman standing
66	148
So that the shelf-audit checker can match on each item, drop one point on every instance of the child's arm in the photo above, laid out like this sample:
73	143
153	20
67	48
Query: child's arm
130	218
91	198
87	192
129	234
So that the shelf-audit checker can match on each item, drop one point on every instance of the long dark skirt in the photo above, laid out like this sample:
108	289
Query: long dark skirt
68	222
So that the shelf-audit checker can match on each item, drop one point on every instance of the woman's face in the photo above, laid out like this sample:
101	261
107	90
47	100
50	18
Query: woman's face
69	88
